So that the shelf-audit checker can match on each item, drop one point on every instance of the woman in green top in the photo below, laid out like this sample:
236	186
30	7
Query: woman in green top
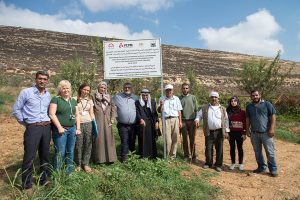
64	114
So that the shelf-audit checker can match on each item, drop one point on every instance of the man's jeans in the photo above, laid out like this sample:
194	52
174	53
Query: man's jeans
127	135
64	148
262	139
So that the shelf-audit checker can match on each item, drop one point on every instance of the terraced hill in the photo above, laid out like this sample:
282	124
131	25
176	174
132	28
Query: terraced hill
24	51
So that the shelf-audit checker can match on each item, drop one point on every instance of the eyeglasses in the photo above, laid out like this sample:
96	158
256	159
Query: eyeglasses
185	88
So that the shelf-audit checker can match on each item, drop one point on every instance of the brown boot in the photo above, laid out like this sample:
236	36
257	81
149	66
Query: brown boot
29	192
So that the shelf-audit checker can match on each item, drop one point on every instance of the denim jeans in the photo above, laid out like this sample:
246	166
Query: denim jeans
64	149
128	137
262	139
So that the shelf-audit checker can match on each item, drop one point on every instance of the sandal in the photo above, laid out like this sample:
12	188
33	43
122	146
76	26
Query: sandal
87	169
77	169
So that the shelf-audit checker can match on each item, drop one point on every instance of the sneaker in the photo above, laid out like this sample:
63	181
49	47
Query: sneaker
241	167
218	169
186	159
206	166
259	170
195	161
274	173
232	166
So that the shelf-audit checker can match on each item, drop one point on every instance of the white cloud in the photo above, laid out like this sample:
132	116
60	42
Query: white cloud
153	21
254	36
72	10
12	16
146	5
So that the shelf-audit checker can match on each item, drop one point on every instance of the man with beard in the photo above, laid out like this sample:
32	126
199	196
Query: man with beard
215	128
260	118
31	110
189	110
126	117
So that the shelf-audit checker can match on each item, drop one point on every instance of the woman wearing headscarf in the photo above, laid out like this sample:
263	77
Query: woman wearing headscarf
237	134
83	146
104	148
147	118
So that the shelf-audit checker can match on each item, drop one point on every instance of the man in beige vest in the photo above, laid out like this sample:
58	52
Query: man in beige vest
215	128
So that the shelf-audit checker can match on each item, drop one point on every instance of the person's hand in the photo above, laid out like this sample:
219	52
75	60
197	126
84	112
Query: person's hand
244	137
271	133
156	125
226	136
197	123
161	103
248	133
142	122
61	130
180	124
78	132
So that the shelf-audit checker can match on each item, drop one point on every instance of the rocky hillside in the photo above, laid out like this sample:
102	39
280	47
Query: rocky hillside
24	51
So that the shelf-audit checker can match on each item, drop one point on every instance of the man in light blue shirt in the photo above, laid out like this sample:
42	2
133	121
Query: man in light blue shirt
126	117
31	110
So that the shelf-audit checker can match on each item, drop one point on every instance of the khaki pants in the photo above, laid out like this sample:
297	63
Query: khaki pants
188	138
172	132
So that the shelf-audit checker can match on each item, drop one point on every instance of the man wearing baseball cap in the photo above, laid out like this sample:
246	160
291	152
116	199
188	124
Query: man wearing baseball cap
215	128
170	106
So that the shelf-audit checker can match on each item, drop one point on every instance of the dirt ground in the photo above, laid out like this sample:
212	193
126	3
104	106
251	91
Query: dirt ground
233	184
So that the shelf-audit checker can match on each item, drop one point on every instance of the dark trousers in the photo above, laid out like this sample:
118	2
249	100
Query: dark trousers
128	137
215	138
236	138
36	138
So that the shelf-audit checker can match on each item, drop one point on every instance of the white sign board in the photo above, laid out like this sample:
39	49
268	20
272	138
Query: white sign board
132	59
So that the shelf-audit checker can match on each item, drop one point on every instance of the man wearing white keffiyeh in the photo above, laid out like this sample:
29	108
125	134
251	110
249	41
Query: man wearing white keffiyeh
147	119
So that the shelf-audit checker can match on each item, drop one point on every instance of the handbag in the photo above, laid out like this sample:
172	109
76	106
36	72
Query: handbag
94	128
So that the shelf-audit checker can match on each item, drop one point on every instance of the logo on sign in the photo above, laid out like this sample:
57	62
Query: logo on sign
110	45
128	45
153	44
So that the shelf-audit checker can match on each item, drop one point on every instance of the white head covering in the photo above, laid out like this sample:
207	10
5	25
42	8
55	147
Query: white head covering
169	86
142	102
213	94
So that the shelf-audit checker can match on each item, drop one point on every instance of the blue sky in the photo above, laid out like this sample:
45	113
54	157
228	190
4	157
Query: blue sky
255	27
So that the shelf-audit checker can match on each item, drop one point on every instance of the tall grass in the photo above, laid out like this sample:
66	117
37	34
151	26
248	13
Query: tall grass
138	179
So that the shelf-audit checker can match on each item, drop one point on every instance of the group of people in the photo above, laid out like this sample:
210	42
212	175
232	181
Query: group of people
82	127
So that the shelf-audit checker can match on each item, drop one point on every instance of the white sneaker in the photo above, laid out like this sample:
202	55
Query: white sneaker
232	166
241	167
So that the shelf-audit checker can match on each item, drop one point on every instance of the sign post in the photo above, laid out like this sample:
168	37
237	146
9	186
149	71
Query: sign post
134	59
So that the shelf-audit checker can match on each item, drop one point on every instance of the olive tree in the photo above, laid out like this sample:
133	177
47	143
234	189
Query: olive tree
263	75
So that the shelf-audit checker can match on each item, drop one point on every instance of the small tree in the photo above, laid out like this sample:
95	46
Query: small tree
75	72
262	75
